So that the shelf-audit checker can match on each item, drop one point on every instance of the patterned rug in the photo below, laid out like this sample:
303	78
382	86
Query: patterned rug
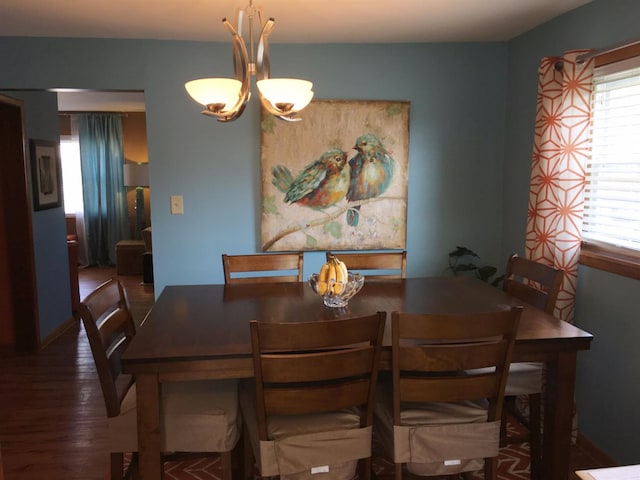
513	464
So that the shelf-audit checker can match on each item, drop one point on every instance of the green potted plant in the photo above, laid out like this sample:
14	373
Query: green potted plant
463	260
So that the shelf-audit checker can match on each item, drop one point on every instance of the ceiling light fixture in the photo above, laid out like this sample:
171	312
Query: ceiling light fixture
226	98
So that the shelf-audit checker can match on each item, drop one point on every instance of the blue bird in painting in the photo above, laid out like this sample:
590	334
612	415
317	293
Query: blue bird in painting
319	185
371	173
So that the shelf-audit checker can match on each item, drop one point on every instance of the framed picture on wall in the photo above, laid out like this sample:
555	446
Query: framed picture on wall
45	174
338	179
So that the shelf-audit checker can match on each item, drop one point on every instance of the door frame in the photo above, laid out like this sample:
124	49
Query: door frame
15	202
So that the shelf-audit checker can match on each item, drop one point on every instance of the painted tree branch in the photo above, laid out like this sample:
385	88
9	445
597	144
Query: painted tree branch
323	221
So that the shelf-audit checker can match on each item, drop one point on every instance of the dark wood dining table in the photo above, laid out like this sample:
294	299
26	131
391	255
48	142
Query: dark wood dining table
202	332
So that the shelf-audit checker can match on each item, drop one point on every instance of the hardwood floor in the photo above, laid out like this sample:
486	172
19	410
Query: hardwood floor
52	415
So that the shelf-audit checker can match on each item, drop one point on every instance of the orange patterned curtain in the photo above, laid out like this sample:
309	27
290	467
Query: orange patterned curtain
561	148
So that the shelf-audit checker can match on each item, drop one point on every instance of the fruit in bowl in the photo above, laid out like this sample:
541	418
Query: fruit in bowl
335	284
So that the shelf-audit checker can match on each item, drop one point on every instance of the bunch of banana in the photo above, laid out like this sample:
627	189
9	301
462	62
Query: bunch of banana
332	277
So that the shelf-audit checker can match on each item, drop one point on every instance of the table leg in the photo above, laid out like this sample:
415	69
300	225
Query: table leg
149	440
558	416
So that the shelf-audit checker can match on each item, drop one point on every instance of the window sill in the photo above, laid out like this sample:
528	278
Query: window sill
620	261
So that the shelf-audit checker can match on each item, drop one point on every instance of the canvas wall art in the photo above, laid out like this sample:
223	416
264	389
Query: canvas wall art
337	180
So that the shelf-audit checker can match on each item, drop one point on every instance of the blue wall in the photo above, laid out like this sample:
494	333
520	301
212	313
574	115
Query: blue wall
49	227
471	132
608	390
456	137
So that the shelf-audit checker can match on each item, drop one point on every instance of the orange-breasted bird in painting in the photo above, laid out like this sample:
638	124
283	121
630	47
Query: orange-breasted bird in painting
371	173
319	185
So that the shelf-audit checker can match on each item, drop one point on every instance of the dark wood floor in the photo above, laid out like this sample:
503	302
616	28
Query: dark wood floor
52	416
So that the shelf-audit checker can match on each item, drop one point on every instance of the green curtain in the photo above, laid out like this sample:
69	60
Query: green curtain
105	201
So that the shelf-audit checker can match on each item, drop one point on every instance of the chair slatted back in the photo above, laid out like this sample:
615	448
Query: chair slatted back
318	366
533	282
274	263
107	319
363	262
434	355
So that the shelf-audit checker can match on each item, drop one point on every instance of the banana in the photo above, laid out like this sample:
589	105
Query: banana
343	269
323	284
332	277
342	275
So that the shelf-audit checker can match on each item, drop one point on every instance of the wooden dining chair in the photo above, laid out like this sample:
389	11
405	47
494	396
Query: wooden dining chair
263	268
383	264
536	284
196	416
310	409
440	414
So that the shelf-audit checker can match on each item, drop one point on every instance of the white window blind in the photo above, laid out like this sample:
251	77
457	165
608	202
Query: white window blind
612	192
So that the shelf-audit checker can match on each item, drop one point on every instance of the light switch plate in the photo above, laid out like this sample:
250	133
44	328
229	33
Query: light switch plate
177	207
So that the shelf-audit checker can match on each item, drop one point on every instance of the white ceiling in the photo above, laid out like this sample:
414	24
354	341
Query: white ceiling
297	21
89	101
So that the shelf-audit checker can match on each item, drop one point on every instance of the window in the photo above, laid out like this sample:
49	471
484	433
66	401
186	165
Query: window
71	175
611	228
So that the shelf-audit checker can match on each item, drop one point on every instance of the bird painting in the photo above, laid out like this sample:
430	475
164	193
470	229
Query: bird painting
370	173
319	185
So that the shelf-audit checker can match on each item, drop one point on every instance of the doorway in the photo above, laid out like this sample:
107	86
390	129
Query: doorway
130	106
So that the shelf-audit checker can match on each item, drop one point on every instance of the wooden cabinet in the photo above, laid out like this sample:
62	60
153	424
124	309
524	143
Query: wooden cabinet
129	257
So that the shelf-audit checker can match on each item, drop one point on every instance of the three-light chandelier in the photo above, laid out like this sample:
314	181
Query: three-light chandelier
226	98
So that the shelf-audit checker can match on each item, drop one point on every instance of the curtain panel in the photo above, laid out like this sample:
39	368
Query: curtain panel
105	202
560	151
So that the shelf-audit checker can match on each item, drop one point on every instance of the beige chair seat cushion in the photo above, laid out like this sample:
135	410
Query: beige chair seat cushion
524	378
300	445
436	438
198	416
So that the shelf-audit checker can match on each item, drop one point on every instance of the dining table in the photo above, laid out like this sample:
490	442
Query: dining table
197	332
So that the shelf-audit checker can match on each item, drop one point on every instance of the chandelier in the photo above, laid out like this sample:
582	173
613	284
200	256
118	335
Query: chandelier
226	98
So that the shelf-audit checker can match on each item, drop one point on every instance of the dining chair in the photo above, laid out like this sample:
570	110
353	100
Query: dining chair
198	416
385	264
310	409
263	268
536	284
440	414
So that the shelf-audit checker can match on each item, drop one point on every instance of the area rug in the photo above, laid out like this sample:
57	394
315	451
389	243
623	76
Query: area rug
513	464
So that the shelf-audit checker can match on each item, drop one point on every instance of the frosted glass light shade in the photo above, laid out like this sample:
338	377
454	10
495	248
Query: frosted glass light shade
215	91
286	91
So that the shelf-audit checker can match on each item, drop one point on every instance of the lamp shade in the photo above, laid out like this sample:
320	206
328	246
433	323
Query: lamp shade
215	91
136	174
286	91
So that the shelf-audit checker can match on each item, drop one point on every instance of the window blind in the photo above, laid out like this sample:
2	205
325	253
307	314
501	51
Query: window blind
612	190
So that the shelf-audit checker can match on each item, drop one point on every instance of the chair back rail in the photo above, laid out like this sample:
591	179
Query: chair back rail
268	262
434	357
438	358
107	319
312	367
363	262
533	282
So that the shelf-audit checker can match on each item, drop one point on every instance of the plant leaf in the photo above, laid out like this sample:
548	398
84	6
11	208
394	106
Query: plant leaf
461	252
486	272
464	267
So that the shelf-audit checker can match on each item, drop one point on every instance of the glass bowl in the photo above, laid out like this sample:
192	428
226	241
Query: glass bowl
351	287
